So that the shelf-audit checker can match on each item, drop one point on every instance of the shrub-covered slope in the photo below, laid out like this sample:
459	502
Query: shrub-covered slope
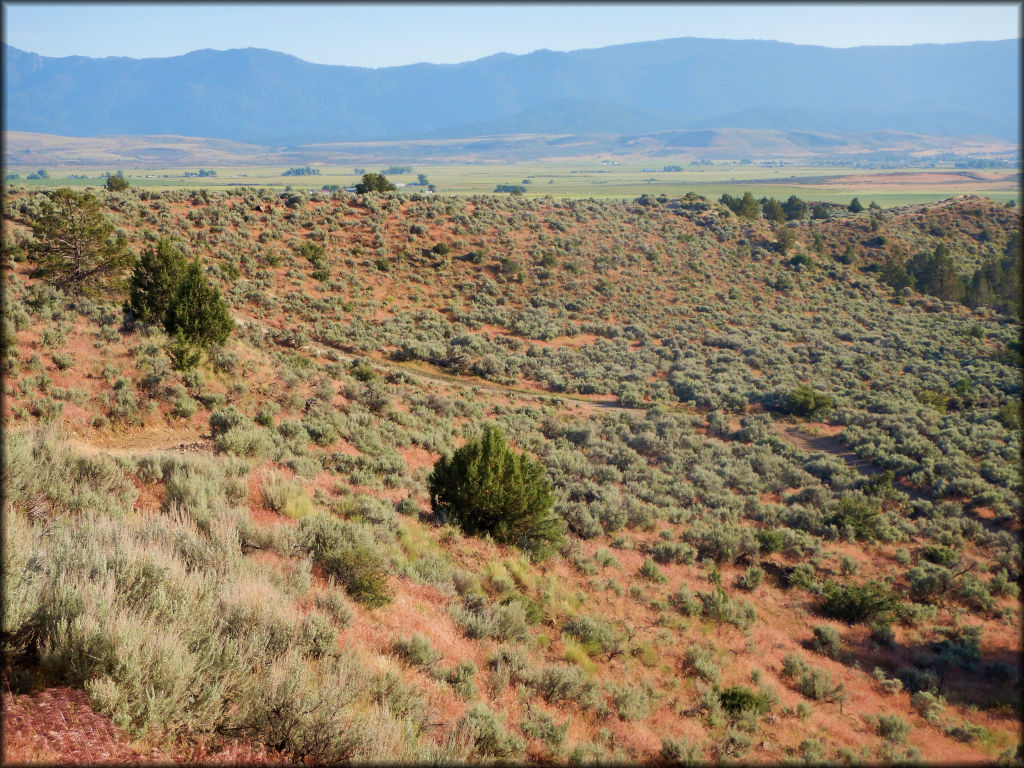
791	492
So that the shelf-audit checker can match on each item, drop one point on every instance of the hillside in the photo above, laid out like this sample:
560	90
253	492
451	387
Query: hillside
263	97
791	492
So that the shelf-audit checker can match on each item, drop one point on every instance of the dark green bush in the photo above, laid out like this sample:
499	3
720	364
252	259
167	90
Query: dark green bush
858	603
738	698
487	488
808	402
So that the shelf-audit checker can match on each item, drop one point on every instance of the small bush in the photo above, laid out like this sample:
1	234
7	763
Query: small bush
347	553
485	731
827	641
751	578
650	571
928	705
678	752
808	402
701	660
739	698
858	603
417	650
893	728
286	497
538	724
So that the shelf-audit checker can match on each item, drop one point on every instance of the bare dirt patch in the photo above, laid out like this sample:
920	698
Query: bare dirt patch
58	726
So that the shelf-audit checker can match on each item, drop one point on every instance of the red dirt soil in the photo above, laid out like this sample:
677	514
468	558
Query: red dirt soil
57	726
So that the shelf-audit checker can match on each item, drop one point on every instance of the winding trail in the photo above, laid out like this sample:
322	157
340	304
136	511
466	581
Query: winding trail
417	370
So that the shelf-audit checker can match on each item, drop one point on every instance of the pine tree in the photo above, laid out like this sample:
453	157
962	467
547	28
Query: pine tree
155	280
197	310
487	488
75	248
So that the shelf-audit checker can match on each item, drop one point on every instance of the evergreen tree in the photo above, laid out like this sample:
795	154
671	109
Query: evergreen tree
116	183
936	275
197	310
855	206
75	248
487	488
773	211
155	280
795	208
749	209
374	182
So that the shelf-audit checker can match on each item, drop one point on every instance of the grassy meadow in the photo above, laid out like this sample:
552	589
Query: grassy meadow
592	179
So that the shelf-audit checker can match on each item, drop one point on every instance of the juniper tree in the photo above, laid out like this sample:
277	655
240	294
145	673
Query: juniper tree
487	488
197	310
154	281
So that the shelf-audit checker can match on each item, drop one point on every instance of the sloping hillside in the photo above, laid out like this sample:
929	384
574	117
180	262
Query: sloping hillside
791	493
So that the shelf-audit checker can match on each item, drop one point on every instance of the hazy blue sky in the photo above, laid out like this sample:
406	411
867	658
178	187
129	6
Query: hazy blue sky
389	34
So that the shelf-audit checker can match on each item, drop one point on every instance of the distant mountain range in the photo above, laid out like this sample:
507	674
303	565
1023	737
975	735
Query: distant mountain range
273	99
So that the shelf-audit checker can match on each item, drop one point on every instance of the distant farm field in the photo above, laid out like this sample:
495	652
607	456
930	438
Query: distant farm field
595	179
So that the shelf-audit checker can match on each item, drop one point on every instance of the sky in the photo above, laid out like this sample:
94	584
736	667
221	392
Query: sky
394	34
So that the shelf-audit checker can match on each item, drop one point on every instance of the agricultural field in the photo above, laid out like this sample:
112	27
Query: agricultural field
628	178
783	460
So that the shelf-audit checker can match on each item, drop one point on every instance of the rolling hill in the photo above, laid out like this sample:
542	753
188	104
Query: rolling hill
789	482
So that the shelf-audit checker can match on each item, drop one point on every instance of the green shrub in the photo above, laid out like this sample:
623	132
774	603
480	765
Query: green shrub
928	705
701	660
751	578
597	635
184	407
197	310
486	488
417	650
650	571
738	698
678	752
717	605
858	603
813	682
827	641
286	497
348	554
808	402
538	724
484	729
633	702
860	516
893	728
155	281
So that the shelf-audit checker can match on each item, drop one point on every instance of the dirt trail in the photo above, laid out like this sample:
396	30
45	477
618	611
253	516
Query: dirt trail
414	370
832	444
152	440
